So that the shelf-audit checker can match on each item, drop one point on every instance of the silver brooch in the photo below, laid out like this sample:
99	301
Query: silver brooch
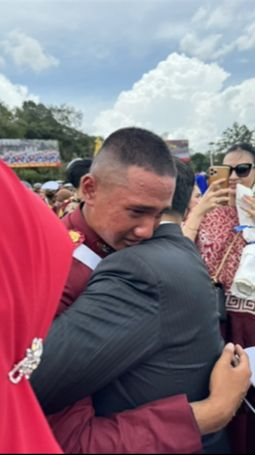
30	362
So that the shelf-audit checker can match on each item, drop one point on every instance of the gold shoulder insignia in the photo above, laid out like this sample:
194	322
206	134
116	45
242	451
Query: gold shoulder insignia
76	237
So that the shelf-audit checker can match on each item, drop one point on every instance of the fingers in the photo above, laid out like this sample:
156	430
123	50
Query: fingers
216	196
250	202
229	348
235	355
220	200
239	350
215	185
243	357
250	211
249	199
216	191
228	353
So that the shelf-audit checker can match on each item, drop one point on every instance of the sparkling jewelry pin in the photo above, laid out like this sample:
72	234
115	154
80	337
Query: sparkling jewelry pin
30	362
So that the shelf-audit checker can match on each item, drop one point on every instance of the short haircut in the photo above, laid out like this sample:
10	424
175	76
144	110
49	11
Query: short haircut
77	169
184	186
136	147
244	146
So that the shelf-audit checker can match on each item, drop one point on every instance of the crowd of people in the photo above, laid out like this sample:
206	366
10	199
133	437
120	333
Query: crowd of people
134	360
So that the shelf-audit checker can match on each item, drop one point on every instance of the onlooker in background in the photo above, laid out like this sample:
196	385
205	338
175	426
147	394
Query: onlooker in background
75	170
216	233
221	248
62	197
48	191
37	187
202	182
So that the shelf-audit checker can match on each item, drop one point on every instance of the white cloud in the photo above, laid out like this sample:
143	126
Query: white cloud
222	16
211	47
234	17
199	15
247	40
27	52
201	48
185	97
14	95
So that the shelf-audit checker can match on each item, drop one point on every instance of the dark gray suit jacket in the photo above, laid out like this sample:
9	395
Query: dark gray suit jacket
146	327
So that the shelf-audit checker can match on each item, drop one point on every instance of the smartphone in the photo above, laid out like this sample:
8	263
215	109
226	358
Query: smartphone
219	172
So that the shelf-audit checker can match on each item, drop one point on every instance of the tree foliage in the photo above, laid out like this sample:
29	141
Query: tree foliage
37	121
199	162
233	135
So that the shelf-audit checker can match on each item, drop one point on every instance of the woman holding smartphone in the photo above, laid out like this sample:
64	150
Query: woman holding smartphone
217	232
213	223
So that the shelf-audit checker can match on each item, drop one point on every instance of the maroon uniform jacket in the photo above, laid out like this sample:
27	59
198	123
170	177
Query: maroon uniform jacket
79	273
164	426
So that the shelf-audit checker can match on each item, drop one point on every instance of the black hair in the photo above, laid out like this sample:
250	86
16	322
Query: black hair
138	147
184	186
76	170
245	146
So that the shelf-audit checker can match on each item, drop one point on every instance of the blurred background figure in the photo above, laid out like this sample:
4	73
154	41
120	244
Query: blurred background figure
48	191
201	182
75	170
37	187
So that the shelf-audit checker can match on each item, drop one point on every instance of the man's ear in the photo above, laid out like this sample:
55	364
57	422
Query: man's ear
88	187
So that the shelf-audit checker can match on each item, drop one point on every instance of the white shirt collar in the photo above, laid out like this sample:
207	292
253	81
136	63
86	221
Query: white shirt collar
166	222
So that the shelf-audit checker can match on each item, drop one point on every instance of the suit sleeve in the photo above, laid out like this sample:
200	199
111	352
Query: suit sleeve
109	328
164	426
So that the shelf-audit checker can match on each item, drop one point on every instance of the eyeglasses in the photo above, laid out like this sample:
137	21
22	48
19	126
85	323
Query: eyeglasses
241	170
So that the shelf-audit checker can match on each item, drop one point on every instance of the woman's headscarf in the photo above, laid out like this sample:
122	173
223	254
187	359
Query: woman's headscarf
35	255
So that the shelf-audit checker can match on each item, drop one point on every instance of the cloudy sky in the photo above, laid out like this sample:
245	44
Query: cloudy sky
182	68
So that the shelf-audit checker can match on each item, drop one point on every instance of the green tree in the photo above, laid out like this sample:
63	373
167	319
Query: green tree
67	116
37	121
43	122
9	126
199	162
233	135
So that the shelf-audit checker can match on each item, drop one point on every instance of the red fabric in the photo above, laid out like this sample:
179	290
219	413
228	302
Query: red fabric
164	426
35	254
79	273
215	234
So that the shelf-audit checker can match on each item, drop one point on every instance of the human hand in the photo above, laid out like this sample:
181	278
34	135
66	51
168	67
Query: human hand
249	206
230	380
212	198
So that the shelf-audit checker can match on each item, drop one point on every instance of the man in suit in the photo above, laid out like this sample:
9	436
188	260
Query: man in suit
123	320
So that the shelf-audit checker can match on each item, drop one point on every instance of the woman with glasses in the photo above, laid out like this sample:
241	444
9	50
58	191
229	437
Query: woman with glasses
217	232
212	225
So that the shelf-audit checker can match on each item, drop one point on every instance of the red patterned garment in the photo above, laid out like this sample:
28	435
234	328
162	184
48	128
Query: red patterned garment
215	234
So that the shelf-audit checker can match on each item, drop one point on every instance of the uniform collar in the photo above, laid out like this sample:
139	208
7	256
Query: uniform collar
77	222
